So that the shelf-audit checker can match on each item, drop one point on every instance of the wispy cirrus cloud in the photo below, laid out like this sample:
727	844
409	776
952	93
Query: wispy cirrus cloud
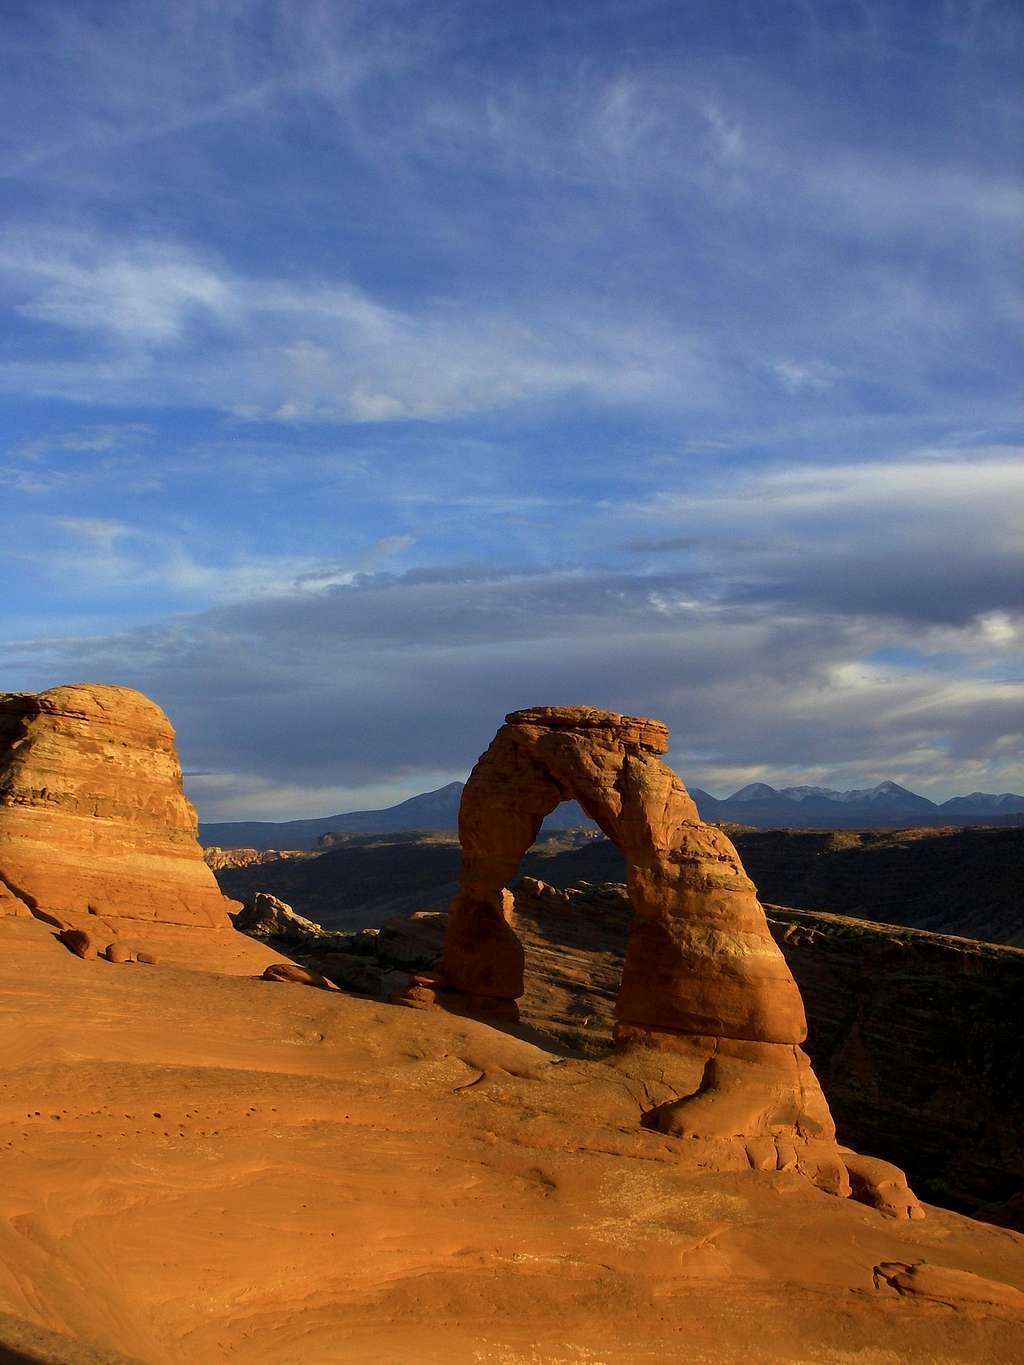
169	328
93	555
146	73
686	226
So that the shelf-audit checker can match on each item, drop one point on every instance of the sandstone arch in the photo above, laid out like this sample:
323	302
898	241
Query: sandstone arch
707	1002
700	958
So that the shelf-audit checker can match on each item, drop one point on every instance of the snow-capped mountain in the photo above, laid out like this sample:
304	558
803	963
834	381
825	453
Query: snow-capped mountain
984	803
888	803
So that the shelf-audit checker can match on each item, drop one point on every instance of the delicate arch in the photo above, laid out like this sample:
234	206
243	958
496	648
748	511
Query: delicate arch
708	1011
700	958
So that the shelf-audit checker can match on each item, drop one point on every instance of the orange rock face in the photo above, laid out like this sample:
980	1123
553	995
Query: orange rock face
709	1016
95	831
701	959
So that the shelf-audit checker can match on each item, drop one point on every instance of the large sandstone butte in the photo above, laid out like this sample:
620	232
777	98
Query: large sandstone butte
709	1018
95	831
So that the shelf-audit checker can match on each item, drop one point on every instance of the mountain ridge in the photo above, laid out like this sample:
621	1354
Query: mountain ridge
756	804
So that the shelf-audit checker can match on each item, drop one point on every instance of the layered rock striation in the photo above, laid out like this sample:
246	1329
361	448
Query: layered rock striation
95	831
709	1018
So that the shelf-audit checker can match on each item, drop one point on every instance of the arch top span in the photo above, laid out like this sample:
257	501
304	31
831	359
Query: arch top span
642	730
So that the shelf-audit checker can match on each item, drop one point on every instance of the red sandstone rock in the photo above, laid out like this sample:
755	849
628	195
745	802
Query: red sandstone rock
10	904
941	1284
93	820
118	952
264	915
709	1016
297	976
423	1189
80	943
700	957
217	859
881	1185
146	958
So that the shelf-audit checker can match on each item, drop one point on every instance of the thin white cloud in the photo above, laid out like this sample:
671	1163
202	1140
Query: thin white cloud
97	557
944	483
100	438
94	528
304	353
143	295
795	375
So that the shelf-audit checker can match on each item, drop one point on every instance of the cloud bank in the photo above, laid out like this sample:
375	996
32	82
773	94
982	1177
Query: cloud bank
897	656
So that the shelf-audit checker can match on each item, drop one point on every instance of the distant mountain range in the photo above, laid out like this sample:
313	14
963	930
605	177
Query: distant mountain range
430	811
871	807
758	804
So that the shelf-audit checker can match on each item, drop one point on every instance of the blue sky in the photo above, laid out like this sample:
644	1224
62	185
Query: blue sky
369	371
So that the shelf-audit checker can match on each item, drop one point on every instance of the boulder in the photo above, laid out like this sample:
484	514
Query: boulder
352	971
78	942
297	976
946	1285
12	905
411	941
265	916
881	1185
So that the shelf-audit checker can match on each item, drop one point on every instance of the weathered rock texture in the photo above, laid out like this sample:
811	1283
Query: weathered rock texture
217	859
95	831
200	1170
709	1016
264	916
700	958
907	1031
902	1024
295	975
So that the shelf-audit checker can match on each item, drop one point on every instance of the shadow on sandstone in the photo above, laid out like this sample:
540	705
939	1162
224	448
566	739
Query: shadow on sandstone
907	1029
24	1343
